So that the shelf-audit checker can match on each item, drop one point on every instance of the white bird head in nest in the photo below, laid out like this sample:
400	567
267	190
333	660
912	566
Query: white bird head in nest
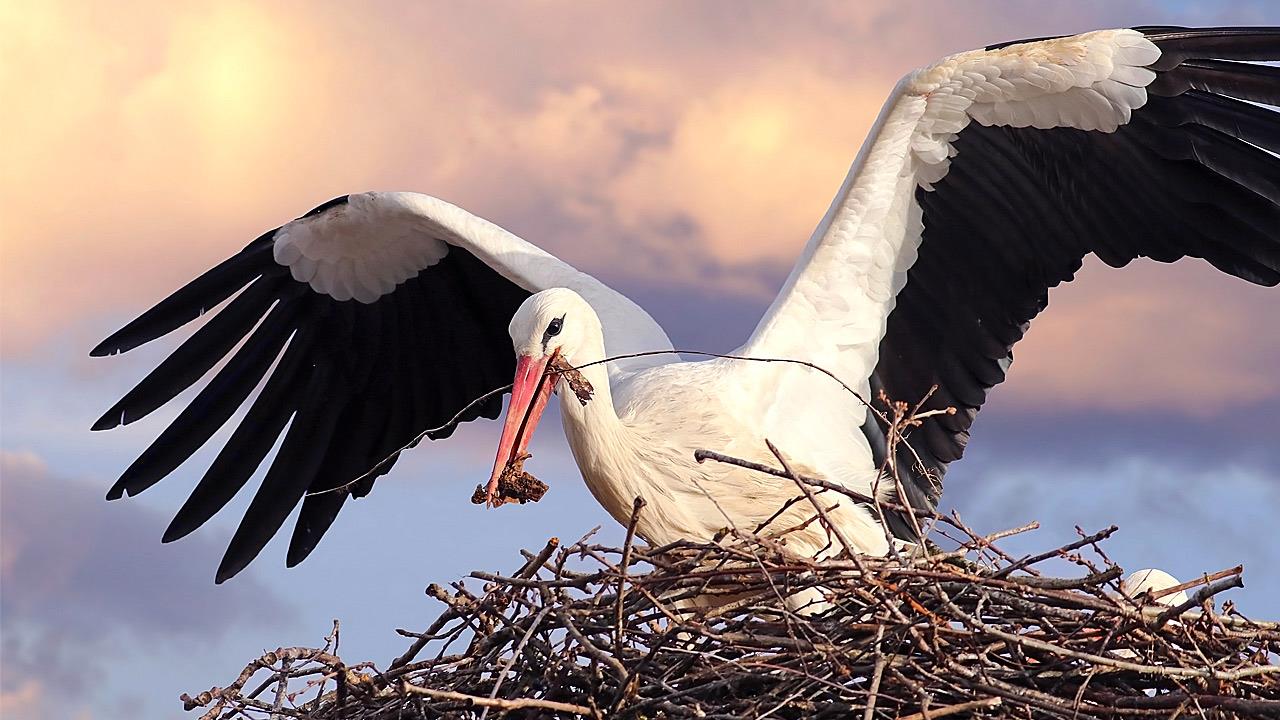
1155	580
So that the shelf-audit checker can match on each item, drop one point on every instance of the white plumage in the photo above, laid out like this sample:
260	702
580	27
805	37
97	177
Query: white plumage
985	180
1139	582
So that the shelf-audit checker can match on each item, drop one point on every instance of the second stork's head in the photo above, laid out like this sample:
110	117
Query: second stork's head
551	323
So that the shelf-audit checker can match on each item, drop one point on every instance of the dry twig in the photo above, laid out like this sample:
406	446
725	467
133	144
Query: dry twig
963	631
594	631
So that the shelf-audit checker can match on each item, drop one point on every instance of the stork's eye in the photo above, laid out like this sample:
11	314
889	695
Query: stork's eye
555	326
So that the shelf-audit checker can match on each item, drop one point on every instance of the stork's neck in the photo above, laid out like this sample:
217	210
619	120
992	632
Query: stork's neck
604	446
597	418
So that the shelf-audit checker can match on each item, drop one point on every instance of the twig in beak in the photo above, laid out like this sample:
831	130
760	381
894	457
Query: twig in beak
578	382
514	485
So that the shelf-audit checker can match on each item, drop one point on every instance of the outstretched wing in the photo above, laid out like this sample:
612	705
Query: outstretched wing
372	318
989	177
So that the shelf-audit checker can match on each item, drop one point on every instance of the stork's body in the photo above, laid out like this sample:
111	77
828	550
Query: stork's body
638	435
986	180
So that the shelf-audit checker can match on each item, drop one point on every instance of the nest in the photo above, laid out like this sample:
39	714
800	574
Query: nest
957	628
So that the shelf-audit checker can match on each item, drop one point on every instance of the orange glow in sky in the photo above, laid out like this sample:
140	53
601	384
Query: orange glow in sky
153	140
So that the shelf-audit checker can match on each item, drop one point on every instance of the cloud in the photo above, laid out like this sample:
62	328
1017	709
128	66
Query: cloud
682	152
25	699
678	156
1007	432
81	585
1183	519
1180	337
752	165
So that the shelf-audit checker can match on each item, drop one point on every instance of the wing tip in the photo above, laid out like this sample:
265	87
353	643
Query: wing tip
113	344
118	342
296	555
193	514
318	513
178	529
232	564
103	349
304	540
114	417
136	478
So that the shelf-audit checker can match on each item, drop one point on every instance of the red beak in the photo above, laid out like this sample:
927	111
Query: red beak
529	394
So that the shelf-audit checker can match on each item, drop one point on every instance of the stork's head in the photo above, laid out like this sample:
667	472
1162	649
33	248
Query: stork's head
555	320
549	323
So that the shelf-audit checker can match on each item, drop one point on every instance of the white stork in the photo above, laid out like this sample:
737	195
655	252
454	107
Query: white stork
984	182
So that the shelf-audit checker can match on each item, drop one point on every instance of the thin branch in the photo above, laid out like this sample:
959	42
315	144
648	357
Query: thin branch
499	703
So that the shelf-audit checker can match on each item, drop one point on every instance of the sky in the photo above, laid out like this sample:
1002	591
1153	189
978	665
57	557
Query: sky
682	152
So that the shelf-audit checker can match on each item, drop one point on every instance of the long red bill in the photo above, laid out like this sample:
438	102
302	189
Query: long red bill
529	394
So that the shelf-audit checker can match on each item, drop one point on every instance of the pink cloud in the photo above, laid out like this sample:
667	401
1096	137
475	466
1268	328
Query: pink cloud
1180	337
156	141
83	588
25	700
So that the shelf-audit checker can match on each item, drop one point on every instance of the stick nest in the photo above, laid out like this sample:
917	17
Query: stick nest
958	629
